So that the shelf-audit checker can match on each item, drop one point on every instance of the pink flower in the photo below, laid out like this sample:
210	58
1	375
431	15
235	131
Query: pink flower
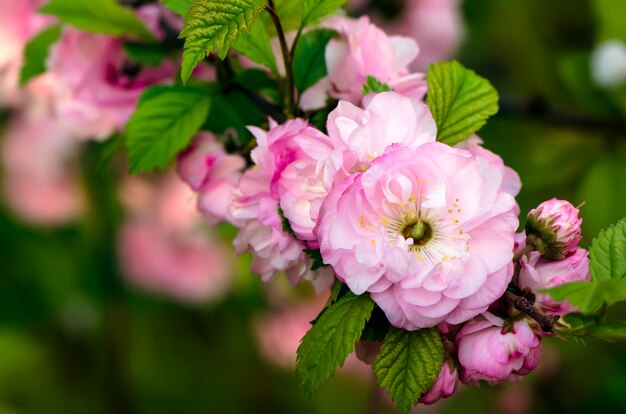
365	50
98	84
436	25
163	247
445	386
490	351
428	232
212	173
387	118
285	156
556	225
18	24
538	273
511	182
39	183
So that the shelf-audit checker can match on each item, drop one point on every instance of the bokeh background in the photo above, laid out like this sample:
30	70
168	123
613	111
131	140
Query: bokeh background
83	328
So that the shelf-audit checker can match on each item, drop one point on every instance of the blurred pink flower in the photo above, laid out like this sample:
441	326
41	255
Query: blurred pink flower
98	84
39	183
428	232
363	50
539	273
436	25
18	24
488	350
279	332
212	173
163	246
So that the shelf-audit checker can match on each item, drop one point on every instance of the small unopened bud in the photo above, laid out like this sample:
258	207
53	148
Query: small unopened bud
553	228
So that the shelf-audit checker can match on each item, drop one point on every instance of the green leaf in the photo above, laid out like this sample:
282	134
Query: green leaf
460	101
314	10
145	54
309	64
377	327
408	365
374	85
589	297
36	53
166	119
608	253
214	26
327	344
256	46
98	16
583	325
178	6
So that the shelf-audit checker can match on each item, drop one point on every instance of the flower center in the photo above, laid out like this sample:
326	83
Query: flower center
420	231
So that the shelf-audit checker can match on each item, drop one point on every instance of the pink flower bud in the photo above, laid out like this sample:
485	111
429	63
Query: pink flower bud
555	228
539	273
445	385
489	352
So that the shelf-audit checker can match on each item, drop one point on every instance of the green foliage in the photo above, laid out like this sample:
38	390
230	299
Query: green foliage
36	53
145	54
589	325
460	101
256	46
178	6
608	253
610	17
377	327
98	16
589	297
314	10
214	26
309	64
374	85
166	119
408	365
327	344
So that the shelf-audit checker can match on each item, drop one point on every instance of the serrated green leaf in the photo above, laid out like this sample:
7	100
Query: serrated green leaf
608	253
36	53
166	119
314	10
584	325
374	85
327	344
309	64
408	365
178	6
256	46
145	54
214	26
589	297
460	101
98	16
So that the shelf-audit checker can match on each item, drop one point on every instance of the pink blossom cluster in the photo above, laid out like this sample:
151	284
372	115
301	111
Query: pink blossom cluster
372	200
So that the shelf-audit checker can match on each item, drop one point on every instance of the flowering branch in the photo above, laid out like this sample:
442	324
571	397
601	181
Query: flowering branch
287	57
546	322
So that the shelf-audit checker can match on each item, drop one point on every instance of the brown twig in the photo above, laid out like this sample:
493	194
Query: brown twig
546	322
287	56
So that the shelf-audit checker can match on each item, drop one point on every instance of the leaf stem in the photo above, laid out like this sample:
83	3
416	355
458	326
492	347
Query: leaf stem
546	322
287	58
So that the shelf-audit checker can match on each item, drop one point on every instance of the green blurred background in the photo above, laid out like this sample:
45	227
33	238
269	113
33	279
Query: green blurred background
75	338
